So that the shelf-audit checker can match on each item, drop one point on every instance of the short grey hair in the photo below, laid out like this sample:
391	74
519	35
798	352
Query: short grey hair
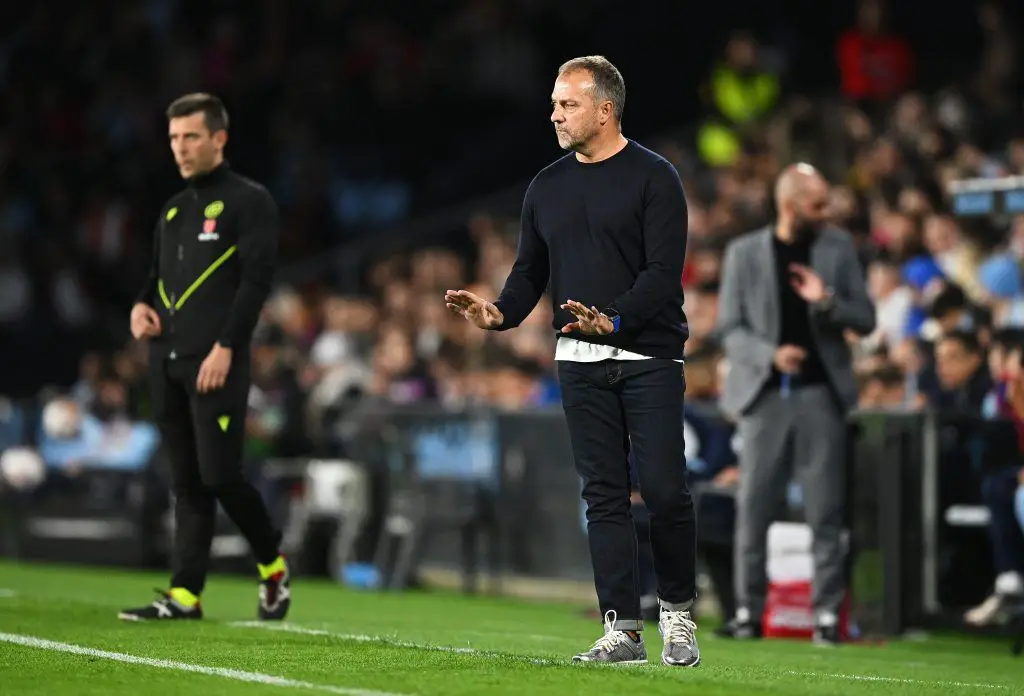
608	82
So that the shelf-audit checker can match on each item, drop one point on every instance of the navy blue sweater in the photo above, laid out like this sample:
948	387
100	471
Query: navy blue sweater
611	234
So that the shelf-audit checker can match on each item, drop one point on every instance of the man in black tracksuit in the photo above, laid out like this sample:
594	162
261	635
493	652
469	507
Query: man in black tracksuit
214	256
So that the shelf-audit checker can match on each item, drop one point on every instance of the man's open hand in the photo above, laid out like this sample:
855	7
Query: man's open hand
807	283
145	322
476	310
589	320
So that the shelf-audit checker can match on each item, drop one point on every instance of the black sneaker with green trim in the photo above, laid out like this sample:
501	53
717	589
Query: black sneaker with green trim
162	609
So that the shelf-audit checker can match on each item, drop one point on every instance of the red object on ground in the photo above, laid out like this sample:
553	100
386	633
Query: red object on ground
788	612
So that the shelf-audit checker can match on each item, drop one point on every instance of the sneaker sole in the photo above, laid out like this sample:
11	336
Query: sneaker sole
133	617
669	663
621	663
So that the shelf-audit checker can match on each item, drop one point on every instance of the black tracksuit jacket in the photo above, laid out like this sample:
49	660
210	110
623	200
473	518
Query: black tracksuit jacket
214	256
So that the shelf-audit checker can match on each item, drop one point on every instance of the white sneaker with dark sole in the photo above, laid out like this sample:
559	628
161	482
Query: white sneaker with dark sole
678	631
614	647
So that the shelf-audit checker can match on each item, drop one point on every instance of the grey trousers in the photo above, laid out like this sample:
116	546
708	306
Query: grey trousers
809	420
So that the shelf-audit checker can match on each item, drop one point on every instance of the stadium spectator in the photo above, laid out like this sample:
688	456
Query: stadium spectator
962	381
275	421
876	65
782	324
893	302
999	488
884	388
742	94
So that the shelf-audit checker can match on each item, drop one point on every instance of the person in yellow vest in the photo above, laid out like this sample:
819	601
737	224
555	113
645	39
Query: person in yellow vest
740	95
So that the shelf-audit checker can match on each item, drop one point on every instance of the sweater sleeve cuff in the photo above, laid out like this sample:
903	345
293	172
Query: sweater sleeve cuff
504	324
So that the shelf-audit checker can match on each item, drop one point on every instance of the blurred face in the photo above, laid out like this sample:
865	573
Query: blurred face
885	158
841	204
398	299
882	280
511	389
701	313
394	353
741	53
910	113
869	17
810	207
707	264
902	233
577	116
336	314
914	202
997	361
433	316
954	364
939	235
196	150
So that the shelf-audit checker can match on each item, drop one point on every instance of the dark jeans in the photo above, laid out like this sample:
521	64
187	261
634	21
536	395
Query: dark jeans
998	491
203	435
610	407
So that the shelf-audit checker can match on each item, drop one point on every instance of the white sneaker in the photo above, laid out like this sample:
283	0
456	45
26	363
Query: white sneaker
614	647
986	612
678	631
1008	585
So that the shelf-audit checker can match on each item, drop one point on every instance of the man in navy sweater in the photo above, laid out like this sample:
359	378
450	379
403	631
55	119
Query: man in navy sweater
606	227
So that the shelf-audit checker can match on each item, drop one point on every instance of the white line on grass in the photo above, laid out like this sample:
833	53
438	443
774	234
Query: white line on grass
384	640
898	680
6	594
235	674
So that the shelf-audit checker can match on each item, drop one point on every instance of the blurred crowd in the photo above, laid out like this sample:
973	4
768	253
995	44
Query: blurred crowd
332	96
330	100
890	152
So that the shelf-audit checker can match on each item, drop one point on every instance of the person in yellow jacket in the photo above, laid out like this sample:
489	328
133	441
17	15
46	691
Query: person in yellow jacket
740	95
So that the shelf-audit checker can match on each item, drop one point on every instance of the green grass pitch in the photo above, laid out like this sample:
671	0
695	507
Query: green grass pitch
59	636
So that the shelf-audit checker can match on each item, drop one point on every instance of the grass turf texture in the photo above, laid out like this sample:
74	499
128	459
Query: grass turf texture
361	643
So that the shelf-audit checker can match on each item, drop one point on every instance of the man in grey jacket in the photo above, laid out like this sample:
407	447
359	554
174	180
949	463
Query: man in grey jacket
789	293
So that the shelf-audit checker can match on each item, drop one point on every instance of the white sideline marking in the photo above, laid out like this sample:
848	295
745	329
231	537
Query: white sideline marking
385	640
6	594
235	674
898	680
